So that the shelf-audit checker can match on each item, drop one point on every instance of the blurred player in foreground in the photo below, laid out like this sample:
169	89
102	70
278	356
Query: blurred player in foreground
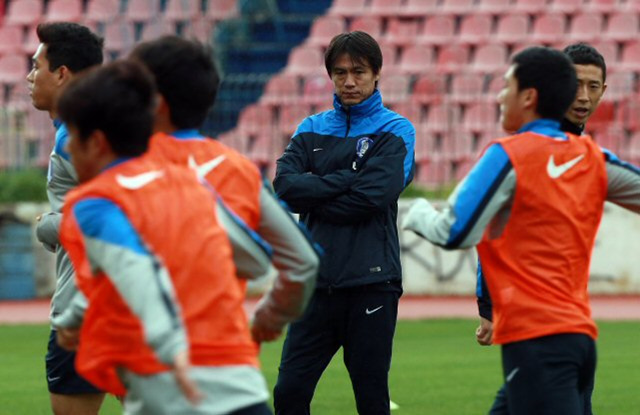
533	204
65	49
591	71
150	244
187	82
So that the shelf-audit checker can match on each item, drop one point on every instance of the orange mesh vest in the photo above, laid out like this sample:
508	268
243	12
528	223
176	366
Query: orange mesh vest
175	217
537	270
233	176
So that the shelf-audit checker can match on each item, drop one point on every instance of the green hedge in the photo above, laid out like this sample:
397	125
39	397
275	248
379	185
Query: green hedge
28	185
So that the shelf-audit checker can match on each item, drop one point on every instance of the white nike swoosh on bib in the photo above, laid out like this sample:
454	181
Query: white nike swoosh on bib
205	168
138	181
367	311
555	171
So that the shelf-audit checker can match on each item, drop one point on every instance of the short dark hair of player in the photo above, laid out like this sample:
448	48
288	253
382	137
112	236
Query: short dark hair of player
71	45
584	54
552	75
360	46
185	74
117	99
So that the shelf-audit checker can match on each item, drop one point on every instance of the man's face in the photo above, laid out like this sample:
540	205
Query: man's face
82	155
43	84
511	102
590	90
353	81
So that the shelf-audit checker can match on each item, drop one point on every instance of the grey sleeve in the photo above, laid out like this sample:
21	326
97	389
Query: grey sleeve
251	254
73	315
623	188
443	227
47	230
295	259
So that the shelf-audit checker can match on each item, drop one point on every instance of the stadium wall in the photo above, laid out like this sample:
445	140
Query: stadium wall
429	270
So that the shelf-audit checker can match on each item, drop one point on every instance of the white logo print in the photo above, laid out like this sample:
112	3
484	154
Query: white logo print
141	180
317	149
557	171
205	168
512	374
372	311
50	379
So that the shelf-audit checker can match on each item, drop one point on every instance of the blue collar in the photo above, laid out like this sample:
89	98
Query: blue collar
544	126
373	103
57	123
188	134
116	162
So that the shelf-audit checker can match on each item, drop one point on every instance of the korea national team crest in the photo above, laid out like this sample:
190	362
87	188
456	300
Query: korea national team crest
363	145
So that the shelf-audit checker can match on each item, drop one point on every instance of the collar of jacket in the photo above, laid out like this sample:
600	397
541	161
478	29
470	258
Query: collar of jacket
570	127
369	105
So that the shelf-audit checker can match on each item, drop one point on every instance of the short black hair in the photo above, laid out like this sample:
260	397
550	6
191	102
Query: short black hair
552	75
71	45
185	74
585	54
117	99
360	46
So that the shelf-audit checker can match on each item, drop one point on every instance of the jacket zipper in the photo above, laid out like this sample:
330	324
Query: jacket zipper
348	111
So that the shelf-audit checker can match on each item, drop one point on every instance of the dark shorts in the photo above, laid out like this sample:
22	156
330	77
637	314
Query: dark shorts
549	375
62	377
259	409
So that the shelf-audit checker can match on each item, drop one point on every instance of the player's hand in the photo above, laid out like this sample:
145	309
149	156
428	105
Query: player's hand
181	367
260	333
68	339
484	332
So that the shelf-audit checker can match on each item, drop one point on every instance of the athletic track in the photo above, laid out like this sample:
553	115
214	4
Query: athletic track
411	308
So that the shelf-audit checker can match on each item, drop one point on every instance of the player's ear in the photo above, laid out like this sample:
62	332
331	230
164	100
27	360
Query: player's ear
529	98
63	75
98	144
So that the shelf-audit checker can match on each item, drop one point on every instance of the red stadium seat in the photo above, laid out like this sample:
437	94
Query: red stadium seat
394	88
632	153
529	6
102	10
411	110
603	116
609	51
496	84
548	28
13	69
260	151
291	116
281	89
627	114
182	10
384	8
456	7
221	9
622	27
419	8
304	60
430	88
434	172
475	29
604	6
64	11
480	117
632	6
512	29
494	6
318	89
10	40
369	24
565	6
347	7
200	29
620	86
324	28
630	60
118	37
157	28
438	30
467	87
255	119
490	58
401	31
441	118
424	143
586	27
416	59
452	58
611	137
389	57
24	12
142	10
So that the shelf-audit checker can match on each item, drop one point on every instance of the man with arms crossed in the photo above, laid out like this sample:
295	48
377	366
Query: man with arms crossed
187	82
151	246
343	171
65	49
533	204
591	71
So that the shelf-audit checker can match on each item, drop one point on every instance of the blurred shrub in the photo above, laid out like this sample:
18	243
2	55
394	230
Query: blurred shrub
29	185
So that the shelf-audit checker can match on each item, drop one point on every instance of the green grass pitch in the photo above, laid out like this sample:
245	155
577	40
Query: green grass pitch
437	369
